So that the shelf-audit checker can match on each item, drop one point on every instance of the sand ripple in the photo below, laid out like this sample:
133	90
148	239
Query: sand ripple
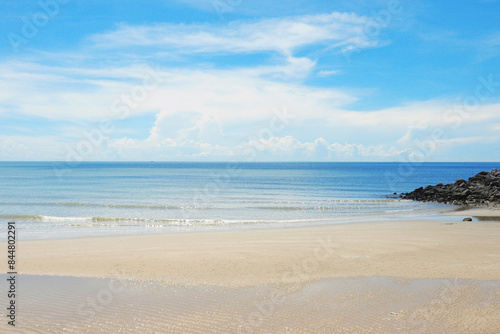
51	304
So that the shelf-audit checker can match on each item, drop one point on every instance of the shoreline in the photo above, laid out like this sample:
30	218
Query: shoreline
397	248
477	212
436	214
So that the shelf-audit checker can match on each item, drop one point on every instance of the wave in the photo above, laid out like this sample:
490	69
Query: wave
131	221
104	220
347	200
143	222
22	217
40	218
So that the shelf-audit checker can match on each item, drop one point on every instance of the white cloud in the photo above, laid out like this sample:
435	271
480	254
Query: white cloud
217	113
85	92
273	148
225	94
283	35
327	73
209	111
17	147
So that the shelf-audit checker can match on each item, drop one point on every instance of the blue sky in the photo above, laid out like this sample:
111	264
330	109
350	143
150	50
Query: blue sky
247	80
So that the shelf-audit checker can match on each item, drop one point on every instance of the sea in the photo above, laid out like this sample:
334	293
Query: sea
49	200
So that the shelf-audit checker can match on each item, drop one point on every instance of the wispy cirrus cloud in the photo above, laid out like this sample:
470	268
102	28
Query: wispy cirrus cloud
283	35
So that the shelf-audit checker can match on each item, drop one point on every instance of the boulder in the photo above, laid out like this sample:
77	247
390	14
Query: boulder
482	189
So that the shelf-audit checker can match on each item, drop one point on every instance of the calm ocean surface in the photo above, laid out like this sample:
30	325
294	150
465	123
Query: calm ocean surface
53	200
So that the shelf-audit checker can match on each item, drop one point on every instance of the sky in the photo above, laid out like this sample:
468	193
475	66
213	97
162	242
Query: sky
240	80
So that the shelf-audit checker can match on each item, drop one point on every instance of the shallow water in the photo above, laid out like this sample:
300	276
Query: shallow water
51	200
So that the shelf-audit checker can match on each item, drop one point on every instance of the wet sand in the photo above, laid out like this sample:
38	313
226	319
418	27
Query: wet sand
482	214
51	304
376	277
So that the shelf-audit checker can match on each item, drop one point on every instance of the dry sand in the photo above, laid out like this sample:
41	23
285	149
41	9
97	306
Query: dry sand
406	249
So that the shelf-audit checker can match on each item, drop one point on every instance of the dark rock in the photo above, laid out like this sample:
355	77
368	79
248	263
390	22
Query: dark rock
468	219
481	190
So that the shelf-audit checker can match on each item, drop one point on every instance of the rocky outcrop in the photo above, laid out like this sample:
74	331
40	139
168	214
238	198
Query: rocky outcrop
480	190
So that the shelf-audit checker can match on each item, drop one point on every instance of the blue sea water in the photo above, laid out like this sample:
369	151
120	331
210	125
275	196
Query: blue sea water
53	200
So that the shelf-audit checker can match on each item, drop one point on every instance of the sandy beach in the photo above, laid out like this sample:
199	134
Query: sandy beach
372	277
406	249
